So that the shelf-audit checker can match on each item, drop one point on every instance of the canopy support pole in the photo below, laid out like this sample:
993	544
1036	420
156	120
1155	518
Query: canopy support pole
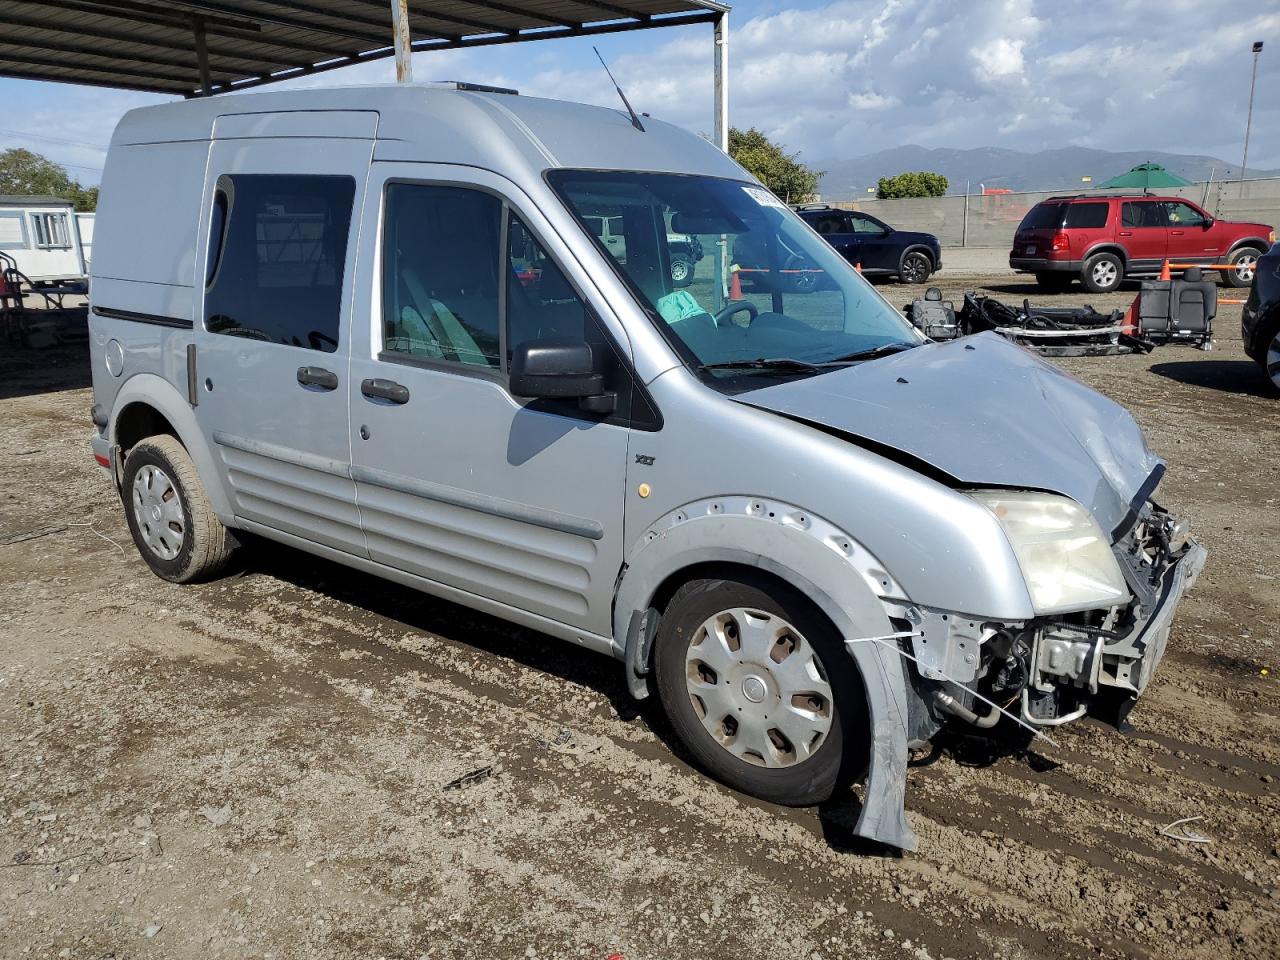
722	81
202	56
403	41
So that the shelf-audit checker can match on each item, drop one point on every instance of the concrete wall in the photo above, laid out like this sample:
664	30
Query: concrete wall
990	221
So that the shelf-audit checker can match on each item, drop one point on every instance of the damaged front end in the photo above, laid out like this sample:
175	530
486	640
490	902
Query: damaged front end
1054	668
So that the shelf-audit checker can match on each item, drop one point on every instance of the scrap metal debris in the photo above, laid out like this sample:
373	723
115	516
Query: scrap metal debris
1054	331
478	775
1183	834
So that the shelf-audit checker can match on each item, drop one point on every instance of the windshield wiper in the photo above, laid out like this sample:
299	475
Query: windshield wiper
763	363
883	350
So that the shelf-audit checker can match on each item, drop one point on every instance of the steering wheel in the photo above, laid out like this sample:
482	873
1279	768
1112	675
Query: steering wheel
737	306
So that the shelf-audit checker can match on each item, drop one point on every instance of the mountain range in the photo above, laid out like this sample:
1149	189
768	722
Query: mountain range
1016	170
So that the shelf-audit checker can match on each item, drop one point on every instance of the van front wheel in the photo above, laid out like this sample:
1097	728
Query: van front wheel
169	516
759	689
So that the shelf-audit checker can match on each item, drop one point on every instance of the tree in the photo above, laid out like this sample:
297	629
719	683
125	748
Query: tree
919	184
784	175
26	173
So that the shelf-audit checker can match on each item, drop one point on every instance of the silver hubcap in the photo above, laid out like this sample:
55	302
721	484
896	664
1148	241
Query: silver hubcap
1273	361
1104	273
759	688
157	508
1245	267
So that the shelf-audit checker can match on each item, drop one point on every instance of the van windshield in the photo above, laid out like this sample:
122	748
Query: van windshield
732	276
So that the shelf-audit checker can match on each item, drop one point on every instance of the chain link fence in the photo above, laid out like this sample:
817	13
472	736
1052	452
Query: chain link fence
990	220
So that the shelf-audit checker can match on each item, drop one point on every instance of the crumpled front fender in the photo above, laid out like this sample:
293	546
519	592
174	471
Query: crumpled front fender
831	569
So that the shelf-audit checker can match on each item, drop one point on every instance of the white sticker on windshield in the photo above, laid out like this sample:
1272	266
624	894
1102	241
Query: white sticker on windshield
763	197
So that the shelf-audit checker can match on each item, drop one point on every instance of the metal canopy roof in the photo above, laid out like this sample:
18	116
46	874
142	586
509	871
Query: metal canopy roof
189	48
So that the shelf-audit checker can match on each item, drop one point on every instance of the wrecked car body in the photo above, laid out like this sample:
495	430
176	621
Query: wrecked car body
812	534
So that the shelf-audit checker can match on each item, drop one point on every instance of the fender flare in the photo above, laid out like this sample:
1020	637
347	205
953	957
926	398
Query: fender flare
162	396
834	571
1106	246
1257	243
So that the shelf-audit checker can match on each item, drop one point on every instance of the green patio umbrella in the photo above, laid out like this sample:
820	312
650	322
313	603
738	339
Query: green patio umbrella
1144	177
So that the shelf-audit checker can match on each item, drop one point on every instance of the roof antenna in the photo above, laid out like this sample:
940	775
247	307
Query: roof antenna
635	120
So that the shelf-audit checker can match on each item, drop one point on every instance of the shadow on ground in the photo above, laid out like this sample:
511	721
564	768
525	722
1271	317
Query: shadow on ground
25	371
1230	376
456	624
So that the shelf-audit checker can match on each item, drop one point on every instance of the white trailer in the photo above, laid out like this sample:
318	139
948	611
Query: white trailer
43	235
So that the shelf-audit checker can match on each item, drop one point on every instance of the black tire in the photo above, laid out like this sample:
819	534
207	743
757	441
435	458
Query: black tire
799	276
1268	352
916	267
1053	282
840	756
1244	263
681	271
1102	273
196	546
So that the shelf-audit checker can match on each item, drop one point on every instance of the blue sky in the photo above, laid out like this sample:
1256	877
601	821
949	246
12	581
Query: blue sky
843	78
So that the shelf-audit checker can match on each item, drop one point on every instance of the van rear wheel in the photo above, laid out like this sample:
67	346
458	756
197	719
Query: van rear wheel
760	690
169	516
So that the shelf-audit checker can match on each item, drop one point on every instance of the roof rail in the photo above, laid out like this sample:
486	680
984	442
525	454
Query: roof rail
811	206
469	87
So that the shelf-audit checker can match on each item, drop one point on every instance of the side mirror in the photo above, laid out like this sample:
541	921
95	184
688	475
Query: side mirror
1208	222
560	368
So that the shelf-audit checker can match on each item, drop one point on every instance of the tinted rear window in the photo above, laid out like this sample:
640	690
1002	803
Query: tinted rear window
1086	215
1043	216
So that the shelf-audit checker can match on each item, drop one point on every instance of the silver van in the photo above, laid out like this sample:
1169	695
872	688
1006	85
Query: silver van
380	325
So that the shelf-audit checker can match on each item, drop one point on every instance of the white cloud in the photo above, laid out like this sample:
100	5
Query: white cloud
854	76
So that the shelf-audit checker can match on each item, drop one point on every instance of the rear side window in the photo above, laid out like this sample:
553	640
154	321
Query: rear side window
1142	214
276	270
1043	216
1086	215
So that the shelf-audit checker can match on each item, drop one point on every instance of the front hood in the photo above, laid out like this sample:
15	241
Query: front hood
912	236
987	413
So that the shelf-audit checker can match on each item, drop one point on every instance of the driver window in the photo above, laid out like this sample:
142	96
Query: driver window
440	274
864	225
1184	215
277	258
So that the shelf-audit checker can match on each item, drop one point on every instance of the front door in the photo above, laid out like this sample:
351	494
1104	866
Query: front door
273	351
457	481
1190	241
1144	231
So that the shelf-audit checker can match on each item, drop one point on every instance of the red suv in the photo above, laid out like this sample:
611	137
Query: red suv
1104	239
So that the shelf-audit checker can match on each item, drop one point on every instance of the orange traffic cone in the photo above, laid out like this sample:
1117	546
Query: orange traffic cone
1130	324
1164	271
735	282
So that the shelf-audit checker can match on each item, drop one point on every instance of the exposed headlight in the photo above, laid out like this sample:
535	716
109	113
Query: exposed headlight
1063	553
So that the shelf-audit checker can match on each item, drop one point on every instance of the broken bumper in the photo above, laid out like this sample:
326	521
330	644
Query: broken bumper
1134	658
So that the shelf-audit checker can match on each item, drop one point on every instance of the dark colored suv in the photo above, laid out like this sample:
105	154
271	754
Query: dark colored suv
878	247
1101	240
1260	320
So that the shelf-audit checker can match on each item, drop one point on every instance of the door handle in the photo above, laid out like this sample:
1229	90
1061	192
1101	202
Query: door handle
1126	233
318	377
385	390
1177	233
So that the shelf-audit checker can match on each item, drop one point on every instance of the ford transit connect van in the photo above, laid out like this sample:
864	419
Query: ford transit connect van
381	325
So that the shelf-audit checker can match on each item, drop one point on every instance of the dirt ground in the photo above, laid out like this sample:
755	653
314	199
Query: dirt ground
257	767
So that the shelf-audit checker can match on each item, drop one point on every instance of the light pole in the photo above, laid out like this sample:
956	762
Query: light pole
1244	164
